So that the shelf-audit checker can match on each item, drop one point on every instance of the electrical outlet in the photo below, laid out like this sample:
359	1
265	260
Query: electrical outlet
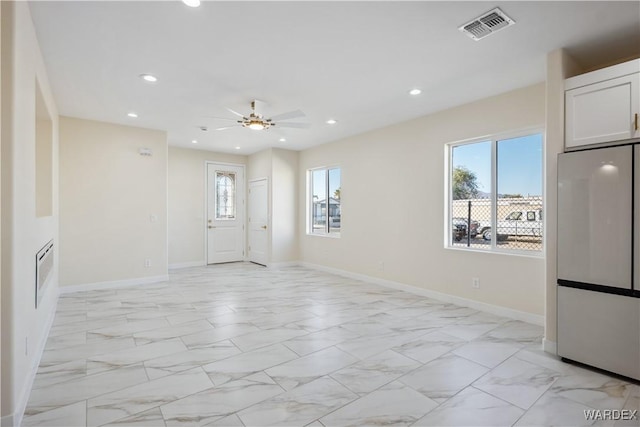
475	283
380	266
147	262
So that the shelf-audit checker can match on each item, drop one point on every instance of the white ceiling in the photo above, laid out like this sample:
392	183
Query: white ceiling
352	61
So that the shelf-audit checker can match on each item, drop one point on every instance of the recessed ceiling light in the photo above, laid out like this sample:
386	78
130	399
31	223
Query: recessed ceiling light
148	78
332	122
194	141
415	92
132	115
191	3
237	148
283	140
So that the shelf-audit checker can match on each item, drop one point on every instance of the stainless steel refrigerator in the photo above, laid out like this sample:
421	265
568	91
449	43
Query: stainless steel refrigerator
599	258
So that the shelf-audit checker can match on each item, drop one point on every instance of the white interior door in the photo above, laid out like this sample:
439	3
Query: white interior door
225	213
258	221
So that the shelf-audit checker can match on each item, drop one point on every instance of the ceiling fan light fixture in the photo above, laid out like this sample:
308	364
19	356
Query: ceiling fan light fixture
256	121
256	125
415	92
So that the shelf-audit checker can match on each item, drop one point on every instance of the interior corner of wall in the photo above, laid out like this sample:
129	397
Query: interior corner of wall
6	420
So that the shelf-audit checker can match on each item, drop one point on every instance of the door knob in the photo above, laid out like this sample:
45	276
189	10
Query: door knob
264	227
212	226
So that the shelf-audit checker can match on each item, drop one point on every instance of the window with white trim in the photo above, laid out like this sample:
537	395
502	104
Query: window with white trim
495	198
324	201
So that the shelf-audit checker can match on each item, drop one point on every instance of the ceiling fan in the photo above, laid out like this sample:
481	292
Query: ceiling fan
257	121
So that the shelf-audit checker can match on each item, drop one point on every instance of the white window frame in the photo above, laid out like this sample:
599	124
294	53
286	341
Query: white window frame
448	202
334	235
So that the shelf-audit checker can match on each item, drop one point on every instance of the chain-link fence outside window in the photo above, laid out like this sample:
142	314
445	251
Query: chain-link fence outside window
517	223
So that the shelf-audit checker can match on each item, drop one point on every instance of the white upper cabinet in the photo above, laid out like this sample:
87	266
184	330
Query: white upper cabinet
603	106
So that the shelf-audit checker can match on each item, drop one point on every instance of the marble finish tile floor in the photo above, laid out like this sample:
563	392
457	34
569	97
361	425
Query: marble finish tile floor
242	345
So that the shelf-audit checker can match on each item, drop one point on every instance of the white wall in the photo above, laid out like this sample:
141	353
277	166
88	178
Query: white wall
113	203
403	166
187	174
24	328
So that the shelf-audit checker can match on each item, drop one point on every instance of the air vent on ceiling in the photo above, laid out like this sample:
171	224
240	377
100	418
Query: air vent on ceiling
489	23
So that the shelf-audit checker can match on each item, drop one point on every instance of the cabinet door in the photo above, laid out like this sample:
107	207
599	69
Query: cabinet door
602	112
595	216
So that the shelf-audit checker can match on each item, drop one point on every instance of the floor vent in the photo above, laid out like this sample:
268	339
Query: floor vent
44	268
489	23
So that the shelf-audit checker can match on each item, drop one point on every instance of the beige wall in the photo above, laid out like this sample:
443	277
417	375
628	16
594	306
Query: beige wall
404	164
280	167
113	203
284	195
259	165
186	203
44	157
560	66
24	328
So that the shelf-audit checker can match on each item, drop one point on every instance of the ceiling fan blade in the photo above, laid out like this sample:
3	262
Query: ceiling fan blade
235	112
293	125
289	115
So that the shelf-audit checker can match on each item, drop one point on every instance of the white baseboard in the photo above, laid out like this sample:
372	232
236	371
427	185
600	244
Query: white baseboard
179	265
465	302
15	419
550	346
113	284
276	265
